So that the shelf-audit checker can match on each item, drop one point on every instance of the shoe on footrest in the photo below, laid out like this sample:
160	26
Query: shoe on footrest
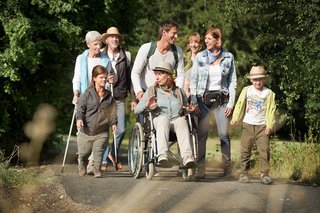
162	158
188	161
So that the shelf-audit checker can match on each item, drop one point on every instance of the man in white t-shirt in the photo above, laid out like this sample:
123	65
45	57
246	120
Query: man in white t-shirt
142	75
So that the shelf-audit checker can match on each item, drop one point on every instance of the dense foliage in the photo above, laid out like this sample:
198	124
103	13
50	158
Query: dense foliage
281	35
39	43
41	39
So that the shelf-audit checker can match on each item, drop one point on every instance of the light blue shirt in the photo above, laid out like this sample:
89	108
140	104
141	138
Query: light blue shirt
169	105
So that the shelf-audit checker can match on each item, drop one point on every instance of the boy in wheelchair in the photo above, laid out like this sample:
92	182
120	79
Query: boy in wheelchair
169	102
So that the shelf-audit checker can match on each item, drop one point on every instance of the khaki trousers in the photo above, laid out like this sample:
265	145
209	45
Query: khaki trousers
180	126
254	134
95	144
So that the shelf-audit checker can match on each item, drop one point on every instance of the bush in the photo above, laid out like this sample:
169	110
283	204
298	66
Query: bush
297	162
14	176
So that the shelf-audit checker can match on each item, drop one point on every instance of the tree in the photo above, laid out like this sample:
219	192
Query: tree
289	46
38	47
281	35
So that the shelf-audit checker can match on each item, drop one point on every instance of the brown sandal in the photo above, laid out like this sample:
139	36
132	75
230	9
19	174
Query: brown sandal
118	166
104	167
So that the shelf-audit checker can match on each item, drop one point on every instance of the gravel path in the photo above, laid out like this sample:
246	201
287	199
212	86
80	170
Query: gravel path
117	191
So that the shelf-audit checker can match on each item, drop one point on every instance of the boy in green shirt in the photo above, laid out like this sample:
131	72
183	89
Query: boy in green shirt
256	107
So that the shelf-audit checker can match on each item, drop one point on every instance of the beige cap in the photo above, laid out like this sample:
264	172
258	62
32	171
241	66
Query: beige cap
111	31
257	72
164	66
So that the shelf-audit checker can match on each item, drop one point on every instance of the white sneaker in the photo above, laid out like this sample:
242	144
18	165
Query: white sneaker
244	178
265	179
162	158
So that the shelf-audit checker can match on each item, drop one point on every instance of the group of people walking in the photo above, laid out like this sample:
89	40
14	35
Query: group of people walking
202	81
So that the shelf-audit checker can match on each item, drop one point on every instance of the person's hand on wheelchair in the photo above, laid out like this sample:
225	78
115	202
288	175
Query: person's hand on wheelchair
191	107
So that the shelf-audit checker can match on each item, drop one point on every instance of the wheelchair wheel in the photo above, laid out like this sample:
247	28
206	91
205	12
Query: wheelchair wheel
150	171
149	161
135	150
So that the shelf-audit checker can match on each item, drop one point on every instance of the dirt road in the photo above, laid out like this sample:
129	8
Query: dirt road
117	191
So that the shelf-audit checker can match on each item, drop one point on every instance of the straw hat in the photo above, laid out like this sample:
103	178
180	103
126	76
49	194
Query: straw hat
164	66
111	31
257	72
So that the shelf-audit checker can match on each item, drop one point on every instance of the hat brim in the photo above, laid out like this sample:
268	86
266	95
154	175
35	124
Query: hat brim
105	35
256	76
162	70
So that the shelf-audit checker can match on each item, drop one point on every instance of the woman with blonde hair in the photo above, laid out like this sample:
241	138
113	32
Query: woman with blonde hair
193	46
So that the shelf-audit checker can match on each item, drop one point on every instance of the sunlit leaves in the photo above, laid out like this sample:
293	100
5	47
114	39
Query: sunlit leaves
55	6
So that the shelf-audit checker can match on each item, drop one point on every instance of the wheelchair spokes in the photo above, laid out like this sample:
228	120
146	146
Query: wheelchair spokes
135	150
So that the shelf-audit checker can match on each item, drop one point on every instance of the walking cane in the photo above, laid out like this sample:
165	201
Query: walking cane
114	137
67	146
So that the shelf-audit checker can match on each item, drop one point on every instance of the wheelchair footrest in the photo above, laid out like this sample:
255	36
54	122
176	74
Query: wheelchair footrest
186	167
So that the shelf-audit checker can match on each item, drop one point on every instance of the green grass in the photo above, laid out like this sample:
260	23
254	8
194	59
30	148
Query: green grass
297	162
15	177
11	176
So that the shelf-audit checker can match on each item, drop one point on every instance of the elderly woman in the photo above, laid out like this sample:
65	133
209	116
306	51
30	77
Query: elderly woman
84	65
96	113
213	89
170	100
86	61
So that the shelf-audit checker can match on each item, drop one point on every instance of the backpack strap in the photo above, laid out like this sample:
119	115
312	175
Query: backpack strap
175	55
152	49
127	58
152	91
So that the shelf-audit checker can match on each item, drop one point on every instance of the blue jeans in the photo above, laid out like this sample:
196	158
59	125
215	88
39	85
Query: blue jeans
121	129
222	126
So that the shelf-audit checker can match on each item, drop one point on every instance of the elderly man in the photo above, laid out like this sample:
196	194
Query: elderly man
120	61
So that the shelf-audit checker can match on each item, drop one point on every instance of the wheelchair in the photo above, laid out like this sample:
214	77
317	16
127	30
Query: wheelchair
142	147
